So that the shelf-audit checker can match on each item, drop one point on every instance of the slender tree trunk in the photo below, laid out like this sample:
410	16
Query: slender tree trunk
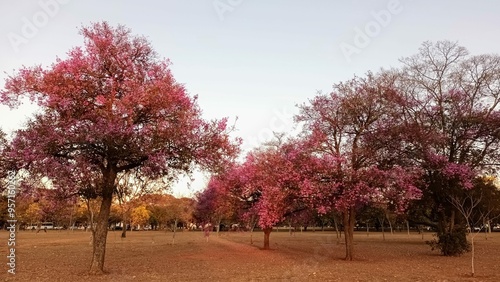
124	229
487	229
267	232
175	230
91	220
472	251
92	229
252	227
408	228
124	214
339	235
389	221
367	229
382	223
101	227
206	230
349	218
219	221
71	218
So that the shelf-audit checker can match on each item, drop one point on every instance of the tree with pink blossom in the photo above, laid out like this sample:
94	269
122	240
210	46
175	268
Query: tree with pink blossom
347	130
109	107
214	204
451	129
265	188
278	174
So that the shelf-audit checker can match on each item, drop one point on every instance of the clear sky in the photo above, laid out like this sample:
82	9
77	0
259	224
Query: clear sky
251	59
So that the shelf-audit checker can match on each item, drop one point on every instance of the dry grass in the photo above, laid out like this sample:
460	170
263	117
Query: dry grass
150	256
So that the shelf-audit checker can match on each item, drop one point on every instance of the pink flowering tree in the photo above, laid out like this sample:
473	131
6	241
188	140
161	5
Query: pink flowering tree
266	186
237	185
452	130
109	107
348	131
214	204
279	173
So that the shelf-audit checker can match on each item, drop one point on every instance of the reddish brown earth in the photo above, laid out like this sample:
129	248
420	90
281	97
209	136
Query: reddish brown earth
308	256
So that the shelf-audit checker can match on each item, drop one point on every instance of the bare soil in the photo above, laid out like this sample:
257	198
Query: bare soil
307	256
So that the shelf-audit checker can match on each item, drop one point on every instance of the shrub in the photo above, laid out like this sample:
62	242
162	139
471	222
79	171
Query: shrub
452	243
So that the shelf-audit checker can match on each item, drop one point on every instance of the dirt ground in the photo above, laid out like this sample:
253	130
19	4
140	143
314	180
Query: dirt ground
307	256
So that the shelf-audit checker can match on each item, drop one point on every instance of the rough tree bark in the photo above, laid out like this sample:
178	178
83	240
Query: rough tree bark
101	230
267	232
349	218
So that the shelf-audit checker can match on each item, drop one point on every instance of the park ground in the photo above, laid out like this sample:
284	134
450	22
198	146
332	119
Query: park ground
308	256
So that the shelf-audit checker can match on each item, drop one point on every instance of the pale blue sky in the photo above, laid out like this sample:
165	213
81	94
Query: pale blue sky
253	59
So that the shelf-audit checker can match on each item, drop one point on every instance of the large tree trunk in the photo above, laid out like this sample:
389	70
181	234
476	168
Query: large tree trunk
101	230
349	218
267	232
